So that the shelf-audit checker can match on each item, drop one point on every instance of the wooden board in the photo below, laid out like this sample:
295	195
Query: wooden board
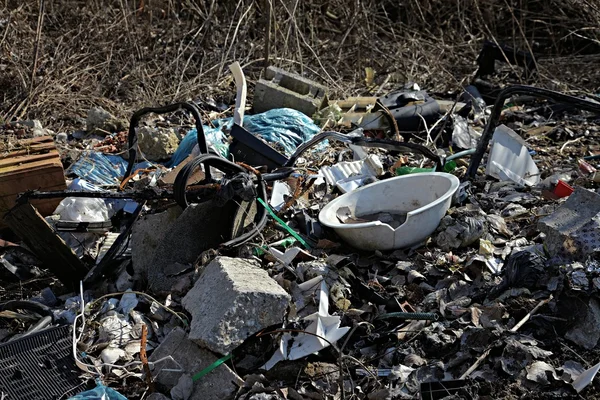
32	228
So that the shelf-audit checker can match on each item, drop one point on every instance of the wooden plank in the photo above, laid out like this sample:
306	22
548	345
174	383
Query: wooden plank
35	149
169	178
47	179
30	168
34	164
25	160
28	224
24	144
44	175
35	140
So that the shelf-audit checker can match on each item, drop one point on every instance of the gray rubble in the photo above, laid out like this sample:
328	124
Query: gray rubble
157	143
217	385
232	300
147	234
101	122
183	242
571	230
157	396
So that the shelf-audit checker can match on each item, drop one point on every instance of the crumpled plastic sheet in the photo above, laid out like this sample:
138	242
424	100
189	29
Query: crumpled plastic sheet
100	392
102	169
284	126
99	168
215	138
460	231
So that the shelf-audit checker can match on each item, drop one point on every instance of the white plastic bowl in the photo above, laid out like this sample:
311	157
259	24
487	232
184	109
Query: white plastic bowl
425	197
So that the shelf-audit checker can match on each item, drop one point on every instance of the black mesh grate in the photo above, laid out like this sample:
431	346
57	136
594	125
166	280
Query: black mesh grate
39	367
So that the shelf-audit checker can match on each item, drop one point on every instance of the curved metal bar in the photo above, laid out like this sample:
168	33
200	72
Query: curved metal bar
181	180
137	116
366	142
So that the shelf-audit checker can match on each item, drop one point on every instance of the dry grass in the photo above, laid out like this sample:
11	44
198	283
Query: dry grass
124	54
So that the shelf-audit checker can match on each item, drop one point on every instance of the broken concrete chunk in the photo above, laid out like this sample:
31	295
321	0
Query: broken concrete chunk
184	388
232	300
157	143
101	122
148	232
587	332
280	88
183	242
216	385
572	230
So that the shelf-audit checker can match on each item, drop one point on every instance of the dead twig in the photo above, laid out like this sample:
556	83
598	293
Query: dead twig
36	49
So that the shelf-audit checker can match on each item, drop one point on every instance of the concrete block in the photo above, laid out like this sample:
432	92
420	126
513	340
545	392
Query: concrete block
218	384
200	227
572	231
280	89
147	234
233	299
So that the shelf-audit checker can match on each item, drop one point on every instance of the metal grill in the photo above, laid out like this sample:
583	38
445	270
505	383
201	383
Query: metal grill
39	366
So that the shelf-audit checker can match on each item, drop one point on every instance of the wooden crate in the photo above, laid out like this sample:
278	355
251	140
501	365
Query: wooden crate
31	164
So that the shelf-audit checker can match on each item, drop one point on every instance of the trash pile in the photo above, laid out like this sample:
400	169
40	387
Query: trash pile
399	247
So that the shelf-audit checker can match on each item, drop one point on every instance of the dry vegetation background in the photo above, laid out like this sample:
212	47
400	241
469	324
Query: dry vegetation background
60	57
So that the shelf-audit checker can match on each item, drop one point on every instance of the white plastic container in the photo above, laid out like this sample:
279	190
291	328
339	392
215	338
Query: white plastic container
509	158
425	197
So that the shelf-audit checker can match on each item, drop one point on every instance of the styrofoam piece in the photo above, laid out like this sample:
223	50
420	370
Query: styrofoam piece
425	197
509	158
354	182
286	258
341	172
323	330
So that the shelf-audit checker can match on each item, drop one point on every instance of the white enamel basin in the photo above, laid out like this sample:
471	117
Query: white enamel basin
424	197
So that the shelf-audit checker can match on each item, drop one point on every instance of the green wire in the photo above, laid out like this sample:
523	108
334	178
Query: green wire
283	224
212	366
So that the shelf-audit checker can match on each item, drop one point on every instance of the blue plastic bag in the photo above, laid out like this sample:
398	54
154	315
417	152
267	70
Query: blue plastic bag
99	168
100	392
102	169
283	126
214	137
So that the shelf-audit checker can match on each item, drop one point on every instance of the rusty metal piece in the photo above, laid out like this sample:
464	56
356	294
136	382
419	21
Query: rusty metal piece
144	359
